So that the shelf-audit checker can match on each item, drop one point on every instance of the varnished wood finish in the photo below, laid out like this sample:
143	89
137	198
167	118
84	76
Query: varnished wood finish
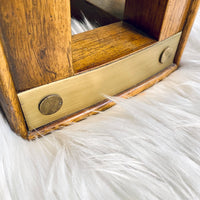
161	19
187	28
105	44
8	98
101	106
86	89
37	36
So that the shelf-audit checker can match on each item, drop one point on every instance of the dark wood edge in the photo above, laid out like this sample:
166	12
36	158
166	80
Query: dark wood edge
95	109
194	6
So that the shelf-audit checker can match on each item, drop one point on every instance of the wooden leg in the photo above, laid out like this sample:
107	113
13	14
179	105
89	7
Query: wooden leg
37	35
8	98
187	28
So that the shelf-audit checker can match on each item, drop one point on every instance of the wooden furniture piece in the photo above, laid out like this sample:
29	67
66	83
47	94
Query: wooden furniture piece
49	79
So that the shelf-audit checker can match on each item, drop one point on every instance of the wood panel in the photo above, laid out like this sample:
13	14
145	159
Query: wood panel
8	98
105	44
37	36
161	19
95	109
175	16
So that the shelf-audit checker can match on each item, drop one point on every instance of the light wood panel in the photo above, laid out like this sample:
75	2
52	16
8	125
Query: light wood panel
105	44
161	19
37	37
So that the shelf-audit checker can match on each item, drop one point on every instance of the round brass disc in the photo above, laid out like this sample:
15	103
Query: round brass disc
50	104
166	55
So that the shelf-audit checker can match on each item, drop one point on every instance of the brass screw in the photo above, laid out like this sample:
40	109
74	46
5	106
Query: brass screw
166	55
50	104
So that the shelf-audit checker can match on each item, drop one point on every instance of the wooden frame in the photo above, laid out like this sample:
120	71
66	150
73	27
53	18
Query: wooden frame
36	48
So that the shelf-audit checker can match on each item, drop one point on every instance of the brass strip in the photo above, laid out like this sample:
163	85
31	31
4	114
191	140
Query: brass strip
86	89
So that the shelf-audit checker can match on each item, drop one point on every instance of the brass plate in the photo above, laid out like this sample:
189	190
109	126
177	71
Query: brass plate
86	89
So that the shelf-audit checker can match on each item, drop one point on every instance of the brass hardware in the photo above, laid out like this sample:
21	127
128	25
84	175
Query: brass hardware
50	104
166	55
88	88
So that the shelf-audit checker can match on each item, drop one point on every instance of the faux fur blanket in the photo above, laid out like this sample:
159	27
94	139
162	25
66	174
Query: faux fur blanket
145	148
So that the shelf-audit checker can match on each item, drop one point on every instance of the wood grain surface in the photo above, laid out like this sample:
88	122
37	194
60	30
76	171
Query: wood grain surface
8	98
174	19
161	19
105	44
194	7
37	36
95	109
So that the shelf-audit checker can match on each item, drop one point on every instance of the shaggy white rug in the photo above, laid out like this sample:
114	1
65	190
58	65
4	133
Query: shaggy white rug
145	148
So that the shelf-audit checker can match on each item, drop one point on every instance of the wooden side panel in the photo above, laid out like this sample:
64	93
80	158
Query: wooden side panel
105	44
161	19
145	14
175	16
37	36
8	98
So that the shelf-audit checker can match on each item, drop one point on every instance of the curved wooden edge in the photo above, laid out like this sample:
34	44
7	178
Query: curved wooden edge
194	6
95	109
8	98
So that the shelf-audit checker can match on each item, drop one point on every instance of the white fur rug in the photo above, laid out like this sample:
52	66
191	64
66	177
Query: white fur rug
145	148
